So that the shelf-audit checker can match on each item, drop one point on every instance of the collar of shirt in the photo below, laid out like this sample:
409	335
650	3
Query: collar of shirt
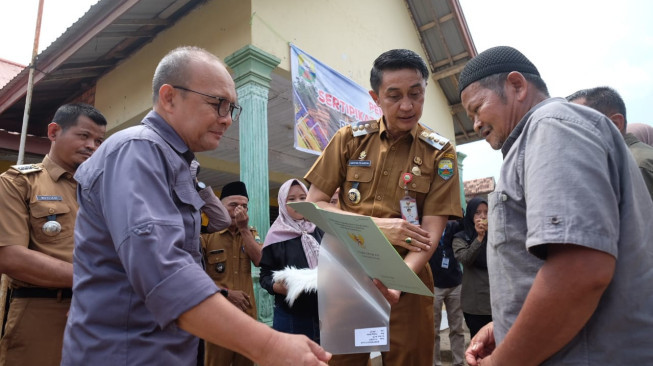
516	132
383	130
54	170
154	121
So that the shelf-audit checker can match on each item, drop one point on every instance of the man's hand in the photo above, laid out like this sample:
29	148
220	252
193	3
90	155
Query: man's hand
391	295
481	347
241	217
291	349
240	299
398	230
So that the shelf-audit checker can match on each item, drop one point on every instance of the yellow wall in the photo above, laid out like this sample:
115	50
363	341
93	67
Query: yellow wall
125	94
347	36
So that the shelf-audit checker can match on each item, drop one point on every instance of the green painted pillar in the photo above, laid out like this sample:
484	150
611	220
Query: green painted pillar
252	67
461	156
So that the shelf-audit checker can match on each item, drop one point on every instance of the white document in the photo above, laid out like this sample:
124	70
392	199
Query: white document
354	316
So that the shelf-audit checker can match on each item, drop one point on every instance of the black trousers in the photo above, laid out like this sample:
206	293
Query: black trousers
476	322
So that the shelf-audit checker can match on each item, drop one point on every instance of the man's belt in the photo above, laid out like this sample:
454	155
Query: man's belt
38	292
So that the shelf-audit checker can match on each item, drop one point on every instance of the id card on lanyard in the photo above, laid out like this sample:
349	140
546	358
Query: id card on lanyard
408	204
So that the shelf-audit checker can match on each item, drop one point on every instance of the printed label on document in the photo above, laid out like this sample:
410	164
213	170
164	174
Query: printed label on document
371	336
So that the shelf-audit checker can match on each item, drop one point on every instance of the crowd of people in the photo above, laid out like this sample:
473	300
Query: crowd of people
553	267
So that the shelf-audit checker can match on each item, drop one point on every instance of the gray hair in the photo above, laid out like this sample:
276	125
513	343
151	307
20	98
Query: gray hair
174	68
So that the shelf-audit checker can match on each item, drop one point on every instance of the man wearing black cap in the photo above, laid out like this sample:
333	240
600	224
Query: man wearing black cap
227	255
568	253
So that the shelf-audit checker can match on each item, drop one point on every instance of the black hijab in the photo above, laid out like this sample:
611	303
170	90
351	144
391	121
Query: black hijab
469	230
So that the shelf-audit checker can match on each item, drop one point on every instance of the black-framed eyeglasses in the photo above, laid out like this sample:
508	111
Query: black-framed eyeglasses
224	107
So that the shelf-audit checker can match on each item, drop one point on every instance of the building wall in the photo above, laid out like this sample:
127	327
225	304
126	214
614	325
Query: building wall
347	36
124	95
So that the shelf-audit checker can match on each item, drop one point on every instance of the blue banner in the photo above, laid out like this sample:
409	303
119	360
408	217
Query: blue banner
324	101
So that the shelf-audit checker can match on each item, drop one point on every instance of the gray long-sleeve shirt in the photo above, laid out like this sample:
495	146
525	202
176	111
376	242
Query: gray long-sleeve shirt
137	252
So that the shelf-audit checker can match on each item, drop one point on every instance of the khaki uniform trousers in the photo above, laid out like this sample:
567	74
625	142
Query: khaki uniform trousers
34	332
412	336
220	356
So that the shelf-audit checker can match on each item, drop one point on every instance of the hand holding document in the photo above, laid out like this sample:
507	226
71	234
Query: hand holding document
354	315
368	245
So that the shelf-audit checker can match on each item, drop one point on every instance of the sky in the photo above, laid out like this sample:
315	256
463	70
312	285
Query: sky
575	44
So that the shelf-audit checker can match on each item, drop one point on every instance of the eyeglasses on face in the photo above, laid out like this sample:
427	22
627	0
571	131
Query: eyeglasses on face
224	107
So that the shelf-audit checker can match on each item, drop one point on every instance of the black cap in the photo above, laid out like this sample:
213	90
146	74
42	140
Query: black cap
492	61
234	189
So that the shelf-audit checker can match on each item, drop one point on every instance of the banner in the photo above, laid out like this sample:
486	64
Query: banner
324	101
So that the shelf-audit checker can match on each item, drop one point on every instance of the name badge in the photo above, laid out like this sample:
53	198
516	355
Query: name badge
409	210
49	198
360	162
445	262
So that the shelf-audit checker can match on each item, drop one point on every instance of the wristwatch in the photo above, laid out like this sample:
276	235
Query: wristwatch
200	186
224	292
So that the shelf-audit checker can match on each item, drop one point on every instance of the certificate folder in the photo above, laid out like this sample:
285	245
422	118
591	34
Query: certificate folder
366	242
354	316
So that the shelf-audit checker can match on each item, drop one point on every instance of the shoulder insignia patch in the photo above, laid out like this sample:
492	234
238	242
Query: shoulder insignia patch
364	128
445	169
434	139
27	168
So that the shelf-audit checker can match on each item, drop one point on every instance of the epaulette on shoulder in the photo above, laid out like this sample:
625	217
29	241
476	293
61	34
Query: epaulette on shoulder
364	128
27	168
433	138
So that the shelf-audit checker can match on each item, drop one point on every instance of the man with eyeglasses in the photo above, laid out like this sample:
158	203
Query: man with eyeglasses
141	296
227	257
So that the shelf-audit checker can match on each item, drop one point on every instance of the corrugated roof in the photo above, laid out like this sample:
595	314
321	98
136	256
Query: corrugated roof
8	70
448	44
68	69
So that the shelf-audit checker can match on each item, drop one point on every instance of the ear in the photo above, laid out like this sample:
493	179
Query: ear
619	120
54	130
166	98
517	82
374	96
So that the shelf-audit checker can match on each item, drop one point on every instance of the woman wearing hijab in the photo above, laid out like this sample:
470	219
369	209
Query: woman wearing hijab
469	246
291	241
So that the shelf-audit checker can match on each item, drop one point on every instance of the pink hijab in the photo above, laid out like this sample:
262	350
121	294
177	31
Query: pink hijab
285	227
643	132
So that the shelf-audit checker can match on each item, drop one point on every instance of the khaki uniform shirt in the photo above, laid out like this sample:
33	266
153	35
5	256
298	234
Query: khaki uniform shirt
436	188
228	264
28	199
378	164
643	155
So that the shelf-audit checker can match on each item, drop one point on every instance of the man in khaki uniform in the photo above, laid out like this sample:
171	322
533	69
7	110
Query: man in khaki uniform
39	207
228	255
404	176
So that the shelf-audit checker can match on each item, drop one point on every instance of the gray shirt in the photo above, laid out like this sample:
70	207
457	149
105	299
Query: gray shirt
137	262
568	177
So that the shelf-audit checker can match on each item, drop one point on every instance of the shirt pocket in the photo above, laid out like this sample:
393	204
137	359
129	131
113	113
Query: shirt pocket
497	218
420	184
189	203
362	174
39	212
216	264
